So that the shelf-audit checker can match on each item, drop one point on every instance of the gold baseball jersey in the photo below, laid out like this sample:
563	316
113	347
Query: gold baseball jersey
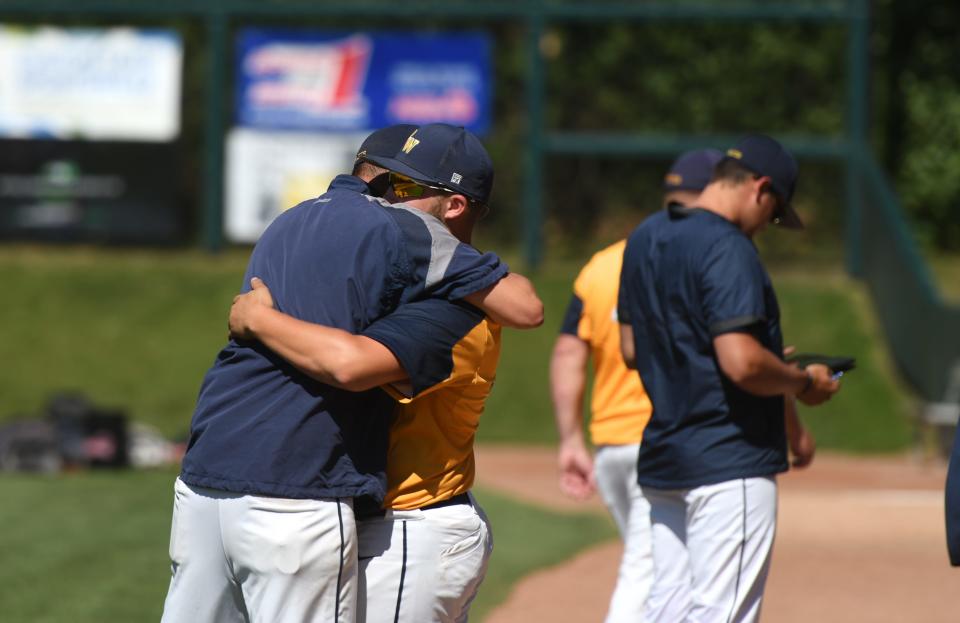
620	408
430	456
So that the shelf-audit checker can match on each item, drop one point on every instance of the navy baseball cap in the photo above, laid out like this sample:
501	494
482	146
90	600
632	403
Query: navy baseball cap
444	155
765	156
385	141
692	170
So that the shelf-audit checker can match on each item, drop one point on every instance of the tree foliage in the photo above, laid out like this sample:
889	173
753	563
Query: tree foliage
725	77
689	77
917	61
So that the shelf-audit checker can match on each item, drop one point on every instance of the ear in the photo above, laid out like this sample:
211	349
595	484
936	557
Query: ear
762	185
456	207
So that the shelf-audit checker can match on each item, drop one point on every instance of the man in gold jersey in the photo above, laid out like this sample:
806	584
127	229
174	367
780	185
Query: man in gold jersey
425	552
423	559
620	407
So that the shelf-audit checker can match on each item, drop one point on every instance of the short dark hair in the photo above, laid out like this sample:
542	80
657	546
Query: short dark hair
362	168
732	171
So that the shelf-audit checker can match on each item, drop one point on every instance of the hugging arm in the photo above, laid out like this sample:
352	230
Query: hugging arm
511	302
329	355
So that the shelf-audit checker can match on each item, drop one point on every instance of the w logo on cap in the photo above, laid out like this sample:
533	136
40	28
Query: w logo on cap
410	144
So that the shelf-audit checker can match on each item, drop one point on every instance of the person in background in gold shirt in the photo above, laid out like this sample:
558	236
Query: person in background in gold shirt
619	407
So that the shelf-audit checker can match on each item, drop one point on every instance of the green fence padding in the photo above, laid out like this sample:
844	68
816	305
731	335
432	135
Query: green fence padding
923	331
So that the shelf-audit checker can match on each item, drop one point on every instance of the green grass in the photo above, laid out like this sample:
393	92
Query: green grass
138	329
526	538
85	547
92	547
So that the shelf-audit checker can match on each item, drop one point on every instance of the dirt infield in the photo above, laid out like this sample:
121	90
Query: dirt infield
859	539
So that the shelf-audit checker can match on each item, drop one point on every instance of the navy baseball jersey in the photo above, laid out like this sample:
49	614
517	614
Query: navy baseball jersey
688	276
343	260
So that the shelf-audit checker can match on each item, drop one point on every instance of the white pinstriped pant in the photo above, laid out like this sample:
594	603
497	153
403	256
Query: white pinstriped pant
615	469
422	566
244	558
711	550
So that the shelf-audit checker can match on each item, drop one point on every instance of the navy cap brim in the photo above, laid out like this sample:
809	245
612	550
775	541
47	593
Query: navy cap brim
790	219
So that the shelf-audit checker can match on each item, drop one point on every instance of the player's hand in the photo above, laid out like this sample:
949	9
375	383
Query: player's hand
822	386
576	471
260	292
802	446
245	308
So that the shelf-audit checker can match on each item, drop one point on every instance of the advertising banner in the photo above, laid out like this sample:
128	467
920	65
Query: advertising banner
269	172
118	84
90	191
316	81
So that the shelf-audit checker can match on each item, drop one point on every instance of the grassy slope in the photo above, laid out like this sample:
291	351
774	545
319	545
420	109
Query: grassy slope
824	312
133	330
138	329
88	548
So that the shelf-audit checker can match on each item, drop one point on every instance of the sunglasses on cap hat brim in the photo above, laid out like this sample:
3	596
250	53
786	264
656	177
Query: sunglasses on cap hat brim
408	188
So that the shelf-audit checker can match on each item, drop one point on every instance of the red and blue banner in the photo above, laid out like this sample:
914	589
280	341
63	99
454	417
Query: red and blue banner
323	81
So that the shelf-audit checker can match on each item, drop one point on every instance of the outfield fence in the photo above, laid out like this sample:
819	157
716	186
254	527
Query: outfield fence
922	329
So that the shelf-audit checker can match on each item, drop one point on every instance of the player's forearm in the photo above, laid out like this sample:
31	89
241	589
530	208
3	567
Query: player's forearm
568	380
511	302
754	369
329	355
568	414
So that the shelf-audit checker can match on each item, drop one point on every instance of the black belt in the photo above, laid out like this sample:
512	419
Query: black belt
369	513
463	498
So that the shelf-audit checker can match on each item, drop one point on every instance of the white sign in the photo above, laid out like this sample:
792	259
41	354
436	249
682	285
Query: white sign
96	84
269	172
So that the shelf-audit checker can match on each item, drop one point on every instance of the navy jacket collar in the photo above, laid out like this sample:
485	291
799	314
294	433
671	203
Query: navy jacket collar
349	182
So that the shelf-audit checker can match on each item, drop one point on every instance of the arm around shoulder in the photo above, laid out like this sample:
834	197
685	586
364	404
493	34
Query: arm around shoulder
329	355
511	302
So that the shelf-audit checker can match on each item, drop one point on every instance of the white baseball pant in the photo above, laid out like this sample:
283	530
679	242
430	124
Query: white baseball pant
711	550
256	559
420	566
615	470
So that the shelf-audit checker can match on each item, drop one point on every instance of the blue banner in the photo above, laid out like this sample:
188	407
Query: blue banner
343	81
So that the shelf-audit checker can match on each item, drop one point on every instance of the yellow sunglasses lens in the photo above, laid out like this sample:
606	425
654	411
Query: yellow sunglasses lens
404	187
406	190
